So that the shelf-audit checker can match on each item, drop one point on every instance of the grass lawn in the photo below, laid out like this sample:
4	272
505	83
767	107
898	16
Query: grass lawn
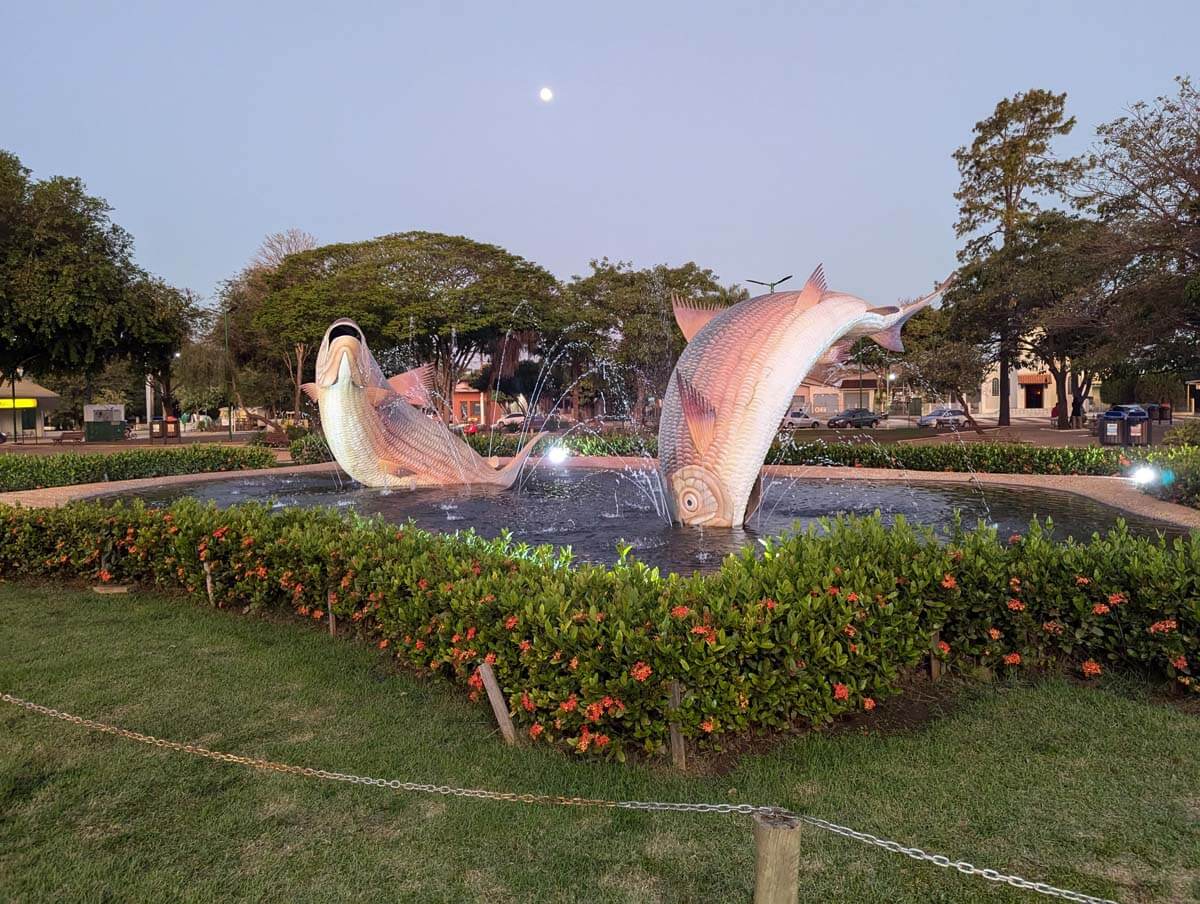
1096	790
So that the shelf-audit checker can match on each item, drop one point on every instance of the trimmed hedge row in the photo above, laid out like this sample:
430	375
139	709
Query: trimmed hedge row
820	625
28	472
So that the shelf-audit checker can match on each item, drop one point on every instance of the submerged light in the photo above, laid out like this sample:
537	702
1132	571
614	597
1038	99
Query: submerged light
557	454
1144	475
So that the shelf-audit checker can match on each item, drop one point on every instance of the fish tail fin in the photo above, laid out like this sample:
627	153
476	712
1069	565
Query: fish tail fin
507	475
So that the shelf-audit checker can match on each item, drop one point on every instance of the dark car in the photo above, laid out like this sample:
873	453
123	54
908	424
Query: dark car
855	417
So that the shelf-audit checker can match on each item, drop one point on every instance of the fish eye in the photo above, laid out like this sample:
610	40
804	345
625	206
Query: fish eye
689	501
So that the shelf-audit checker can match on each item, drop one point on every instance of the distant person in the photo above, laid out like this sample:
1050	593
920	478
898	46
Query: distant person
1054	414
1077	413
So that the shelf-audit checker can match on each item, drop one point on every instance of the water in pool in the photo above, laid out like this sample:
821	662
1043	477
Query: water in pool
595	510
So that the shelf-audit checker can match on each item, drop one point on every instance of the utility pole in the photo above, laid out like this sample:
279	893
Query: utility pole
229	365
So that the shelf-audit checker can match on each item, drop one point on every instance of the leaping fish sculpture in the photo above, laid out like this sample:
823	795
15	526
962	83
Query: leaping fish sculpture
376	430
735	379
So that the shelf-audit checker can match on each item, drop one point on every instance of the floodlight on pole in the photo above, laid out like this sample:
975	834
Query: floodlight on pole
770	285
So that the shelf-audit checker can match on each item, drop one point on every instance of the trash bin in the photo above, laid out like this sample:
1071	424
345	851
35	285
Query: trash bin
1113	429
1138	430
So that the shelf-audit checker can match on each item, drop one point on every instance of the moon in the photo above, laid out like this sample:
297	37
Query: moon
546	95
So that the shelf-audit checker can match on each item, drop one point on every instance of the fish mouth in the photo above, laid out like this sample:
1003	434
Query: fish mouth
342	355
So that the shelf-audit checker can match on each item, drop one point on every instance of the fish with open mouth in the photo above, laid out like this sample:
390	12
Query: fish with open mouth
734	381
376	429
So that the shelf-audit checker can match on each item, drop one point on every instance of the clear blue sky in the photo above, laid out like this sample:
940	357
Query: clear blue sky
754	139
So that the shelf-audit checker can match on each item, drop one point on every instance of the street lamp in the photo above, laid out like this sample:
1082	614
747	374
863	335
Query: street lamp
770	285
18	373
229	364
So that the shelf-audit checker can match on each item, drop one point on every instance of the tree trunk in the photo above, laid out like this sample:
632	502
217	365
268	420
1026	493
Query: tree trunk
1063	421
961	398
301	352
1005	364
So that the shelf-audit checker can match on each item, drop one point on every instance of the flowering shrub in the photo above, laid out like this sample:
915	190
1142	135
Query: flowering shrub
310	449
819	625
27	472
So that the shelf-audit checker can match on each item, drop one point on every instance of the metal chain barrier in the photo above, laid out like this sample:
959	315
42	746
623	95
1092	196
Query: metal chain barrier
775	813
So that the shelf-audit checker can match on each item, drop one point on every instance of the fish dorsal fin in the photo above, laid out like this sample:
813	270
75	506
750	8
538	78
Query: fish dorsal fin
414	386
885	311
890	338
699	413
377	395
310	390
813	289
693	316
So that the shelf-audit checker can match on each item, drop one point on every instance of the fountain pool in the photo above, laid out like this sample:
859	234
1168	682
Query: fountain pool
594	510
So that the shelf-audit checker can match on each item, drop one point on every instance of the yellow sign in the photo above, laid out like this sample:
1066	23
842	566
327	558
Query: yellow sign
7	404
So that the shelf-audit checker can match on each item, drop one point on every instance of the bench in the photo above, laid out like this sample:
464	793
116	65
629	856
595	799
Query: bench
69	436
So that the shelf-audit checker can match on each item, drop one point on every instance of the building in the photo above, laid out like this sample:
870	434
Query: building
1193	396
828	390
1031	393
472	406
24	406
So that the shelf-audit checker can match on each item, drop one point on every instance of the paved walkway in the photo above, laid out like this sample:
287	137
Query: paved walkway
1118	492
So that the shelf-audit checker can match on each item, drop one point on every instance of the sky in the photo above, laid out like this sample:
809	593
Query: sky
755	139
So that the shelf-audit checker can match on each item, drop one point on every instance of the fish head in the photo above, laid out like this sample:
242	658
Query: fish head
698	497
344	356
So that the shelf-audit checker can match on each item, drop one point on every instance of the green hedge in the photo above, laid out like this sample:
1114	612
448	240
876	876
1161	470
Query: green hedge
310	449
819	625
23	471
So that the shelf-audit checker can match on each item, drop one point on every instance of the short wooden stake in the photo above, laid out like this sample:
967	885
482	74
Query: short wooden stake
499	704
332	620
110	588
678	751
935	665
212	601
776	859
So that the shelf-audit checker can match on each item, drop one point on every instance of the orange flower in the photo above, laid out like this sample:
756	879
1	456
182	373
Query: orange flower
943	647
769	603
1016	605
708	725
476	680
840	691
568	705
680	612
1115	599
383	644
640	671
1179	663
1100	609
849	630
1166	626
1052	627
1012	658
105	575
1082	581
949	581
1015	582
595	711
419	646
510	622
852	597
994	633
1091	669
525	646
868	704
526	702
601	740
1014	539
535	730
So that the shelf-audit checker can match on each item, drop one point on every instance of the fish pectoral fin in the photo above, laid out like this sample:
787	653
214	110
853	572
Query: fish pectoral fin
377	396
890	338
838	353
699	413
310	390
692	316
415	386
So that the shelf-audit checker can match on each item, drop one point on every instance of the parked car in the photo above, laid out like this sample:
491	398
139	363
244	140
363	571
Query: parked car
855	417
943	417
799	418
613	422
547	422
510	422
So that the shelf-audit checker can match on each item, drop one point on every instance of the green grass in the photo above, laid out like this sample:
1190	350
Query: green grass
1096	790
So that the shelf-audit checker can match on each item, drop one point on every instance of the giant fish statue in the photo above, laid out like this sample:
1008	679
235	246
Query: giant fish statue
735	380
376	429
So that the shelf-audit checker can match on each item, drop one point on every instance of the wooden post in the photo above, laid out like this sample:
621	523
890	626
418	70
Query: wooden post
935	664
499	704
678	752
332	620
208	582
776	859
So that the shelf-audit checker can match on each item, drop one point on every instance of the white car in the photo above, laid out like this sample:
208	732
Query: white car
943	417
799	418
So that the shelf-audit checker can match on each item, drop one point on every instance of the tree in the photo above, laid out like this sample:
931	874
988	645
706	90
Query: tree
633	309
1143	181
1008	166
448	299
68	286
937	358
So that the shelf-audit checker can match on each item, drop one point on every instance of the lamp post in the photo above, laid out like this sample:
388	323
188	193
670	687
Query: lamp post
18	373
229	364
770	285
891	391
